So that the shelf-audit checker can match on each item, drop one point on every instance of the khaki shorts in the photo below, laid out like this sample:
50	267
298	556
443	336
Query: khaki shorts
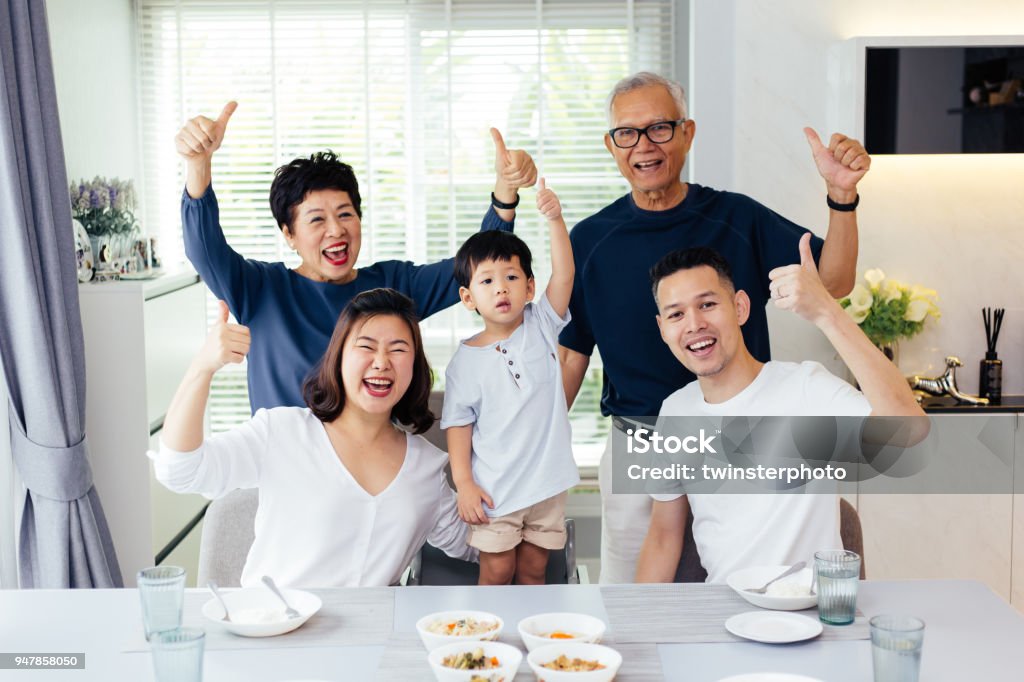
541	524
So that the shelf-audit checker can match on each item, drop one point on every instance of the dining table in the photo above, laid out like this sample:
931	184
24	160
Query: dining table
672	632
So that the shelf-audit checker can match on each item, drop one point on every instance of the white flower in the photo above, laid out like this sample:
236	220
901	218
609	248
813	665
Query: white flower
874	277
917	310
860	299
858	316
891	290
918	293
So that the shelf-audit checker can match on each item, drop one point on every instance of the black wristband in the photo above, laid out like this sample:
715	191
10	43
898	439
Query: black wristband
845	208
501	204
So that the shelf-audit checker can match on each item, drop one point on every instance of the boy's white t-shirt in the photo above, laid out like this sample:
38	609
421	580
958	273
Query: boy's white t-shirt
512	393
736	531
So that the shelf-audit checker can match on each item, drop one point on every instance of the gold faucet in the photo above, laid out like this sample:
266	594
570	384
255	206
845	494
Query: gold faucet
945	384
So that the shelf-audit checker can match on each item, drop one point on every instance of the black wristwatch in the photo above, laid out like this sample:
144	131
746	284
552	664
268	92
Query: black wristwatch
501	204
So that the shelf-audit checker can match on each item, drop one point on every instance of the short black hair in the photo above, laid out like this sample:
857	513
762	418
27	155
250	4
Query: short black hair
296	179
687	259
490	245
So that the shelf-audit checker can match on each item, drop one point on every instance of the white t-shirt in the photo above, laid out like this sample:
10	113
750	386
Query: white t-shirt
735	531
512	394
315	526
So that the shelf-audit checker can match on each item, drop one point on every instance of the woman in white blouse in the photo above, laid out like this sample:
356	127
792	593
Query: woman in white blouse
346	497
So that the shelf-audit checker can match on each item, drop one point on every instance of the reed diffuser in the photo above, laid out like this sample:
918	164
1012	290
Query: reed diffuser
990	382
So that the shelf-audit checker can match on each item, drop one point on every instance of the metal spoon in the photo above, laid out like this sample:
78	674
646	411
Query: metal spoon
213	588
798	566
288	610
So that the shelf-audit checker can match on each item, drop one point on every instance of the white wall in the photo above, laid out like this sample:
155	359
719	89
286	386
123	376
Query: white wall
953	223
94	68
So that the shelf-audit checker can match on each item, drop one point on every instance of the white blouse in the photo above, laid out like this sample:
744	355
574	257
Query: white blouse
316	526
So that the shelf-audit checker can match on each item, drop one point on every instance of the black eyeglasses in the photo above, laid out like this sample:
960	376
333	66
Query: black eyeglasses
658	133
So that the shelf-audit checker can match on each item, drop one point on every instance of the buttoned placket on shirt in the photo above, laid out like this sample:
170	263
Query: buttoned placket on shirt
513	361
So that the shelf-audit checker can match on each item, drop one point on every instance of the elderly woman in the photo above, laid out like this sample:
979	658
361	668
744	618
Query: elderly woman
316	204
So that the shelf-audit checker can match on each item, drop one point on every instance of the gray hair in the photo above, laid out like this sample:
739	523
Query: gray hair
643	79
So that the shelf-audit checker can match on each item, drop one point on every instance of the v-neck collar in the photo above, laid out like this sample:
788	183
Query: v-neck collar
348	474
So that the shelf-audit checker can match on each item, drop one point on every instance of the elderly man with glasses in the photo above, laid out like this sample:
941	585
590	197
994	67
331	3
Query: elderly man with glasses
615	248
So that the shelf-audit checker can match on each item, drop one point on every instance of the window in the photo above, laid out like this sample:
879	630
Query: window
405	91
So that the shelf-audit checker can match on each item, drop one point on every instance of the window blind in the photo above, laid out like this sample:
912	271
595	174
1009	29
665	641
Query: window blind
404	91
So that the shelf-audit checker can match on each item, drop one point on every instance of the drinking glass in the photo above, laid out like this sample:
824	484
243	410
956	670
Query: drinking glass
836	572
162	590
896	643
178	655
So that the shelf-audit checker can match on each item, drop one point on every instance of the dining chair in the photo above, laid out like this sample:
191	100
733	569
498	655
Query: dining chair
851	533
228	533
432	566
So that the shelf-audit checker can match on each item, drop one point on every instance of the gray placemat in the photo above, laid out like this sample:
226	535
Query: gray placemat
511	602
348	617
405	660
691	613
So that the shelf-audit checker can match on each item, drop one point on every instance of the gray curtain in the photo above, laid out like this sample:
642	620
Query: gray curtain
64	541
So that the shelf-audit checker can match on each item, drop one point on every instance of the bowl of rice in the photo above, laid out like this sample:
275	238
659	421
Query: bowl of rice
792	593
446	627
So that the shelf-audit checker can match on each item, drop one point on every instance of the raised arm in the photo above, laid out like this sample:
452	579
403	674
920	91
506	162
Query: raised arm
226	343
563	269
800	289
663	545
196	142
842	164
513	168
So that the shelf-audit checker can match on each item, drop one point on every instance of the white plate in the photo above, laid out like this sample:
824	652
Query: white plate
759	575
306	603
769	677
773	627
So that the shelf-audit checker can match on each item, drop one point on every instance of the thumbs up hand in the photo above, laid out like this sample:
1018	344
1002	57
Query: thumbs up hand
226	343
514	168
547	202
842	163
200	137
798	287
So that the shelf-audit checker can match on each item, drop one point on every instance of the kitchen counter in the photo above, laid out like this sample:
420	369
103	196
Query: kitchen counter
947	405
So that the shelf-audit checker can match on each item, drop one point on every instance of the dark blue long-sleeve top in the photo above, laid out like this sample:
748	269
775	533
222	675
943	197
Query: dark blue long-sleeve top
291	318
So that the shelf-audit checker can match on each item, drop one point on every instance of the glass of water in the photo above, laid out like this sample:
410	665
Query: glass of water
178	655
837	572
162	590
896	643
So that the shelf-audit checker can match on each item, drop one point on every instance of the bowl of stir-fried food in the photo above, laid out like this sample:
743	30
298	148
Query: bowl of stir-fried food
475	662
574	662
548	628
445	627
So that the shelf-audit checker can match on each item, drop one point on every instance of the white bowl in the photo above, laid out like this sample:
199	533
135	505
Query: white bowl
432	640
607	656
508	656
534	629
242	602
759	575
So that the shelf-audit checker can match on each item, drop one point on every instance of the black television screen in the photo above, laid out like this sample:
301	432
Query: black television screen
944	100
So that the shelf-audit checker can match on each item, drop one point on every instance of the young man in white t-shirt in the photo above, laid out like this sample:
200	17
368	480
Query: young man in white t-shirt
700	314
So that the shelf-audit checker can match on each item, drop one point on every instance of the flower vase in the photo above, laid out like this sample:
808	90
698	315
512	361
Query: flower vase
890	350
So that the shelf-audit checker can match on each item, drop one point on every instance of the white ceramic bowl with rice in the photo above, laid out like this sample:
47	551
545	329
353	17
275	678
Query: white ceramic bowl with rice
504	657
257	612
446	627
609	659
550	628
792	593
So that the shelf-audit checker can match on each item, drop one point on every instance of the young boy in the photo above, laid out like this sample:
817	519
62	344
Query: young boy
504	409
